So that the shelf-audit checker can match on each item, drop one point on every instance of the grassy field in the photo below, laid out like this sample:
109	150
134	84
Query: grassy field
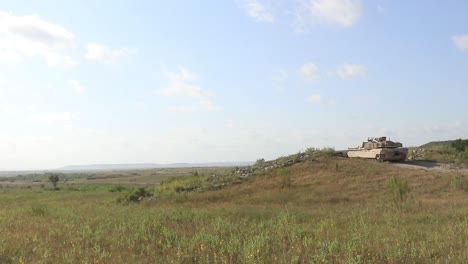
324	210
451	151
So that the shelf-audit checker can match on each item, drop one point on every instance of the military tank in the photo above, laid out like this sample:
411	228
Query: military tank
379	148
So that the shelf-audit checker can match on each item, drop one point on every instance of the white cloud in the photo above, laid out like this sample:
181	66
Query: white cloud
309	71
52	117
77	87
315	98
348	71
318	99
30	36
259	10
461	41
339	12
106	55
181	84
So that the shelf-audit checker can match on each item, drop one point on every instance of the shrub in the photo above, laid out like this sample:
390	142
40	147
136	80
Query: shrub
460	144
259	162
183	184
310	151
398	190
118	188
285	178
135	195
317	152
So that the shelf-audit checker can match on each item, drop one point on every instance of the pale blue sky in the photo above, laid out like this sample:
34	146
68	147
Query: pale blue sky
198	81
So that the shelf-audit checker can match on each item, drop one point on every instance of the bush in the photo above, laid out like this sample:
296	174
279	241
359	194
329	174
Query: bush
135	195
462	157
317	152
398	190
118	188
285	178
460	145
183	184
310	151
259	162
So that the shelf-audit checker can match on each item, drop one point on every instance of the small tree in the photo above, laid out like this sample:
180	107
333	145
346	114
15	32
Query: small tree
54	178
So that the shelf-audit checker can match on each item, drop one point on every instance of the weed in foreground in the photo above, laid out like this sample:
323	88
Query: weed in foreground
39	209
459	181
397	190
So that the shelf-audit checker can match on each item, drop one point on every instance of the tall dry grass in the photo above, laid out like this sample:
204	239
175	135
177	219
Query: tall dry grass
325	215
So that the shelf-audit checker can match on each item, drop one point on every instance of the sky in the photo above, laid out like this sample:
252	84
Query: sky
87	82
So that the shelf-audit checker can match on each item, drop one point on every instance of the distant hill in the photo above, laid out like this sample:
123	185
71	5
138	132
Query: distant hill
135	166
437	143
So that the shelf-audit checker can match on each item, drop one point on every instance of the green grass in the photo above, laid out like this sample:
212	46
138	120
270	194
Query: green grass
325	215
451	151
446	154
432	144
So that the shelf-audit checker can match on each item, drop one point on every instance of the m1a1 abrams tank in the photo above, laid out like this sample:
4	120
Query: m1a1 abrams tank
380	149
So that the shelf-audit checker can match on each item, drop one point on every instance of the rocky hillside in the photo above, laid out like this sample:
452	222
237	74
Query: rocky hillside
215	181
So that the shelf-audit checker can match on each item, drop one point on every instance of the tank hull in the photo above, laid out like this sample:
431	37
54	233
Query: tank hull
383	154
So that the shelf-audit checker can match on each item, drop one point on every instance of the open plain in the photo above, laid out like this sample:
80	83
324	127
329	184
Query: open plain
321	210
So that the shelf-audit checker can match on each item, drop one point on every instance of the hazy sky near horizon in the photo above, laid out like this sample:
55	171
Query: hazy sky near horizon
85	82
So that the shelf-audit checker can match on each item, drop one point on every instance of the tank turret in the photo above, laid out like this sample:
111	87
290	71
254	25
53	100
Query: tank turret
380	142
